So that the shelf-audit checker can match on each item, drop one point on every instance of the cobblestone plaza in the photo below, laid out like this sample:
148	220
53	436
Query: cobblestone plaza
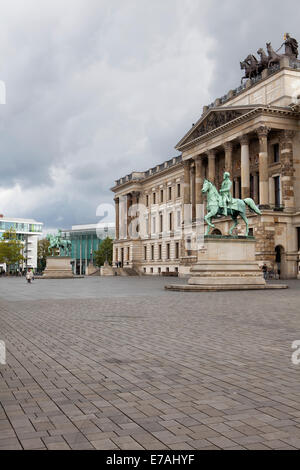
119	363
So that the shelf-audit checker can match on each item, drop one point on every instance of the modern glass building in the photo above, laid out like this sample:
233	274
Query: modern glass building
86	239
28	231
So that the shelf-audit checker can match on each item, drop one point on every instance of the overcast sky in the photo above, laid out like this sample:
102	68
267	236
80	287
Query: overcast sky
99	88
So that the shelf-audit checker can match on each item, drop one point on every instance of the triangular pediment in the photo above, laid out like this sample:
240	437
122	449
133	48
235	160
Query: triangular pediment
212	120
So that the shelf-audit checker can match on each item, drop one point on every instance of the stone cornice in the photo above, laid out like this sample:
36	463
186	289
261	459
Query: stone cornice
142	180
263	110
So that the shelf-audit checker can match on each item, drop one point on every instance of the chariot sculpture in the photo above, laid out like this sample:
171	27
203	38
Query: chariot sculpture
254	67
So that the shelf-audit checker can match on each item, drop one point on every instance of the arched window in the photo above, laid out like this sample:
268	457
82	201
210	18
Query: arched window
216	231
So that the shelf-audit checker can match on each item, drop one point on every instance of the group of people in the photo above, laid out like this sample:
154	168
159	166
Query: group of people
271	273
28	274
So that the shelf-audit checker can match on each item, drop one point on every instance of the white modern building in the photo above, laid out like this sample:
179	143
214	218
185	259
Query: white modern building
28	231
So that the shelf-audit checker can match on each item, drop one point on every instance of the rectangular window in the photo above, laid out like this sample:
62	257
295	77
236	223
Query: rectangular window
171	221
252	186
147	201
178	190
178	219
170	193
159	252
276	153
161	195
152	252
153	224
146	225
161	223
168	250
154	198
145	253
177	250
128	254
277	191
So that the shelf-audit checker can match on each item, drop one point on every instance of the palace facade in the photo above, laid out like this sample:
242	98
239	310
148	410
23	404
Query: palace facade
253	132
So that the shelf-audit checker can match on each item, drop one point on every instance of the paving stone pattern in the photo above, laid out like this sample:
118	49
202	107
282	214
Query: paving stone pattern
119	363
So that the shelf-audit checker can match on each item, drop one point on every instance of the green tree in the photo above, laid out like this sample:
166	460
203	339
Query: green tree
104	252
43	253
11	249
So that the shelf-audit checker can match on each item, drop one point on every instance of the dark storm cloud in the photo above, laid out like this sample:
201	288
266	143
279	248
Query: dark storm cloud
98	88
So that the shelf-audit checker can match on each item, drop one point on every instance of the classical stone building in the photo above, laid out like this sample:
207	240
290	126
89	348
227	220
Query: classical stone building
254	133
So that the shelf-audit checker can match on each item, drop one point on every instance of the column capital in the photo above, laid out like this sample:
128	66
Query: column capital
186	163
244	139
228	146
263	131
199	158
211	153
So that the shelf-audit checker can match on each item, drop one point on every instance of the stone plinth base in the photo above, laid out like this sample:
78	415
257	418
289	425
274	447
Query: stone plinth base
189	288
225	263
58	267
106	270
91	270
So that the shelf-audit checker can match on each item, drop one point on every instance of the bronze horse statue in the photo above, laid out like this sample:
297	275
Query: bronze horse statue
250	65
236	208
264	60
273	58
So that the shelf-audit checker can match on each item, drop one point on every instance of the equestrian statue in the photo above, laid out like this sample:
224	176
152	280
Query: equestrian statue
57	242
223	204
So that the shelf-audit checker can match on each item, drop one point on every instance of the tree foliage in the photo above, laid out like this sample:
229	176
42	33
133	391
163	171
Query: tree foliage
104	252
11	249
43	253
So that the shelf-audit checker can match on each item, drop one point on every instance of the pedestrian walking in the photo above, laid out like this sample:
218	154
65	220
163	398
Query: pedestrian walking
265	271
29	276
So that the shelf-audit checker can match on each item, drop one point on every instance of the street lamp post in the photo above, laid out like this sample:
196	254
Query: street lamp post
106	232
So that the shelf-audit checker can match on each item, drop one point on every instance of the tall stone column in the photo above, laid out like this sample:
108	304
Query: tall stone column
262	133
245	166
255	188
187	182
199	180
128	218
117	209
236	188
228	147
211	155
287	170
193	175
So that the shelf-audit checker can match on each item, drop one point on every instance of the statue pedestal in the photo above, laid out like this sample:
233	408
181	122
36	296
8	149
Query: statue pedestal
58	267
106	270
226	263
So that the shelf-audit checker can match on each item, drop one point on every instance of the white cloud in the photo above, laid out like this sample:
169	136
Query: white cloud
98	88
